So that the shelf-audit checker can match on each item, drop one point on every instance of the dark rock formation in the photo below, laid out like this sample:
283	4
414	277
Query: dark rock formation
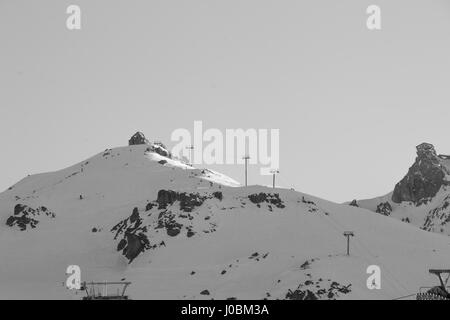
137	139
312	206
218	195
424	179
384	208
18	209
150	206
134	241
172	211
166	197
354	203
188	201
314	290
167	220
317	289
439	217
270	198
301	295
160	149
26	217
190	233
305	265
205	293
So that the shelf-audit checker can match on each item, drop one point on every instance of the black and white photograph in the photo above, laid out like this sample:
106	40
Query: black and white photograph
249	150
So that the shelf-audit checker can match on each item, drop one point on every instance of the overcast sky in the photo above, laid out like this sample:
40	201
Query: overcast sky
351	104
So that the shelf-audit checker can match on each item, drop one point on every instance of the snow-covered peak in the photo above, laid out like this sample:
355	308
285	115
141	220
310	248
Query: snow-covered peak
139	167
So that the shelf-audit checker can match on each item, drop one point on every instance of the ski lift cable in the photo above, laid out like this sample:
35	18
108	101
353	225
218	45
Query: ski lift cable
403	297
339	231
359	242
388	273
387	270
288	185
339	228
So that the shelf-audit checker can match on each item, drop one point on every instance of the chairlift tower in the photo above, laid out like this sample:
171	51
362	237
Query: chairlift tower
191	149
274	173
348	234
246	158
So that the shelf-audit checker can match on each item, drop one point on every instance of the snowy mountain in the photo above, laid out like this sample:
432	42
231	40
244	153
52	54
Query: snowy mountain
422	197
181	232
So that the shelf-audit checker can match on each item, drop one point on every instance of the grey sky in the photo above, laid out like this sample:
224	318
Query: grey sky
350	104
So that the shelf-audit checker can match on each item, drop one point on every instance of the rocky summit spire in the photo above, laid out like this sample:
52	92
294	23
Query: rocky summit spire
426	150
138	138
424	179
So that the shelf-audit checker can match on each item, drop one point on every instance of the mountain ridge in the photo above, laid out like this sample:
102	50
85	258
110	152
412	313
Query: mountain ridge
179	232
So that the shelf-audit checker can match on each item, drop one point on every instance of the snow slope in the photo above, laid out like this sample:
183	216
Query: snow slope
432	216
201	232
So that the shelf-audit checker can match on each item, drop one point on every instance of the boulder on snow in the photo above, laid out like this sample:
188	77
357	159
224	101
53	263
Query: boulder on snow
188	201
354	203
270	198
27	217
384	208
137	139
161	149
135	244
205	293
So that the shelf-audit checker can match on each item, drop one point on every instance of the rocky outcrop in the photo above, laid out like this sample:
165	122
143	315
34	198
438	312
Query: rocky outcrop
188	201
166	197
273	199
205	293
168	221
160	149
311	205
134	240
384	208
319	289
137	139
26	217
438	218
174	213
354	203
424	179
